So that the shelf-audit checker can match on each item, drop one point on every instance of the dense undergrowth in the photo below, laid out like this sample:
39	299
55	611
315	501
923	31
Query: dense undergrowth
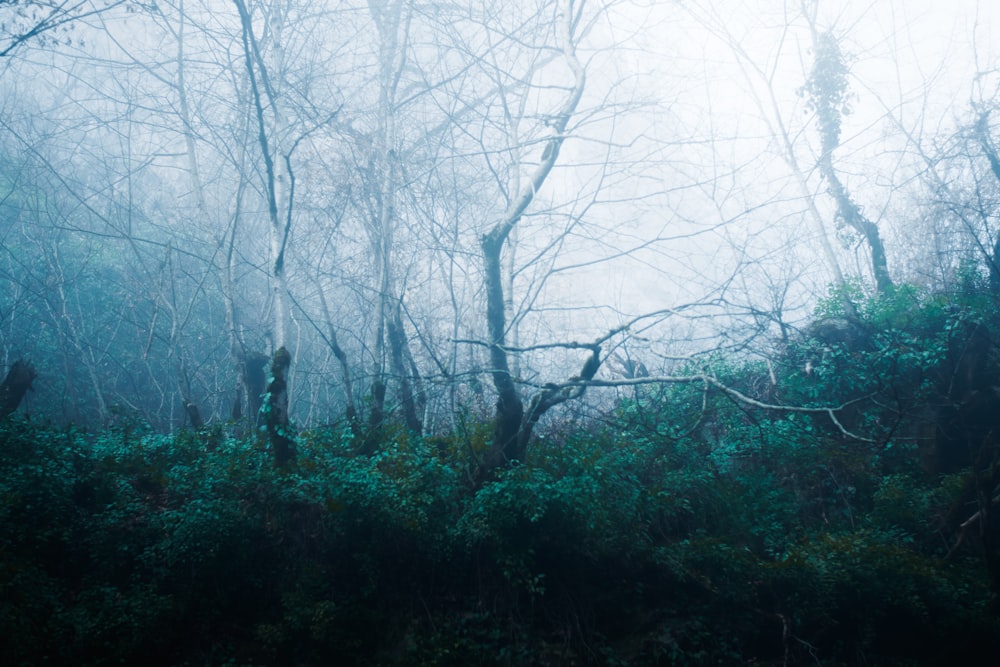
688	528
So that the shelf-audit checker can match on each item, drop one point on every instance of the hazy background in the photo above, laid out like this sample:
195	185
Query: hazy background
142	267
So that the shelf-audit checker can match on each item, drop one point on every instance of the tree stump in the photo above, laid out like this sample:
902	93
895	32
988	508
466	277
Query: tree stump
15	386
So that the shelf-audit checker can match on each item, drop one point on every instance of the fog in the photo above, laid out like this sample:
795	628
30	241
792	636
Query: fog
186	187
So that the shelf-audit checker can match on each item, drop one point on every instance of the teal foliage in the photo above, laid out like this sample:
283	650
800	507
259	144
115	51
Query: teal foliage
686	528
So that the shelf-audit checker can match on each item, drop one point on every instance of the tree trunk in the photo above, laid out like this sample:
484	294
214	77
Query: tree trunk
398	355
15	386
253	378
510	409
511	432
279	180
194	414
351	410
376	417
827	90
392	22
276	421
850	213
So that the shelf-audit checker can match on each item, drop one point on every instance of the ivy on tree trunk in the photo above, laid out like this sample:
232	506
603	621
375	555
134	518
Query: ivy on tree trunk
276	421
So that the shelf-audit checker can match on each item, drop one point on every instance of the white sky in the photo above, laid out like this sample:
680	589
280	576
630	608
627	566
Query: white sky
913	59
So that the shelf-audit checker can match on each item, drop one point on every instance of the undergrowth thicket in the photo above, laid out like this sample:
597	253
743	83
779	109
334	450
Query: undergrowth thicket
685	529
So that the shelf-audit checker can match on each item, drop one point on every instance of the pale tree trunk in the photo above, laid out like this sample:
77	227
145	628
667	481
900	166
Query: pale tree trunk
190	407
249	381
280	181
186	119
391	18
278	185
278	394
277	173
510	252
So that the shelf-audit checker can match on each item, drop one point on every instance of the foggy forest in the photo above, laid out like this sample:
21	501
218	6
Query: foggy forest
542	332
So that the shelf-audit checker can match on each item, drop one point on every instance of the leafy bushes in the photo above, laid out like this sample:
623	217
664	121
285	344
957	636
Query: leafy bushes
731	535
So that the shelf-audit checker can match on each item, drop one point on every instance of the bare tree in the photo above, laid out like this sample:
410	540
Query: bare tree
392	23
429	208
279	187
44	21
514	424
763	78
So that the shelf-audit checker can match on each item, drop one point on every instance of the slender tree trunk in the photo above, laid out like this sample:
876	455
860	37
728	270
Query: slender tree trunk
398	352
770	111
391	19
852	216
279	187
827	90
351	410
277	175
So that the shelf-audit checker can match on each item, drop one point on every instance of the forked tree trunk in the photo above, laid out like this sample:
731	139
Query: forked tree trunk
512	426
